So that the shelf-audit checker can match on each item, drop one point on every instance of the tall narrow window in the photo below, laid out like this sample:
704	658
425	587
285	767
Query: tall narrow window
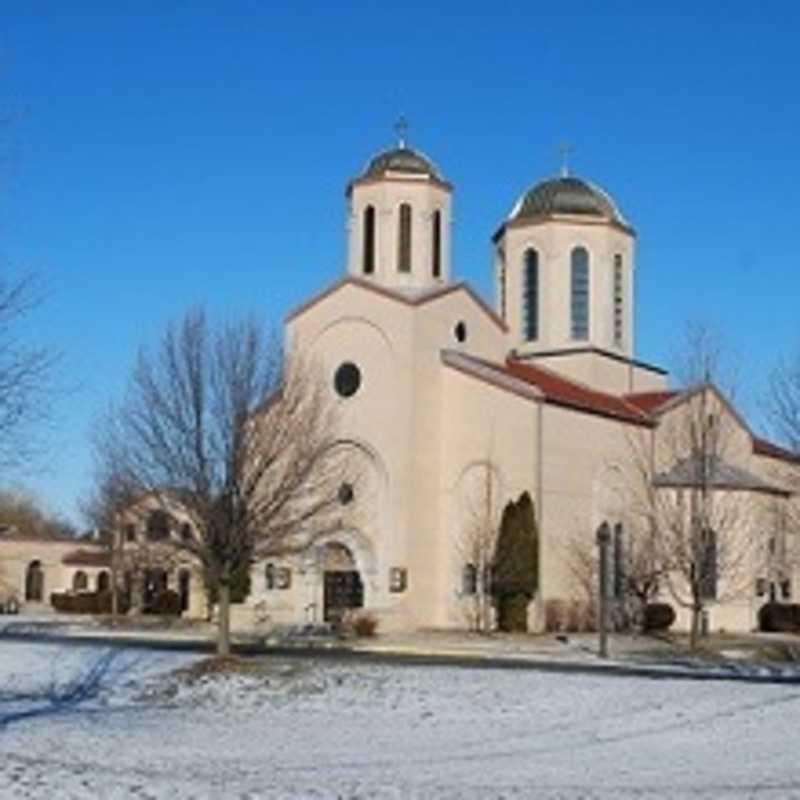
404	239
530	296
436	244
501	280
619	308
580	293
369	240
706	560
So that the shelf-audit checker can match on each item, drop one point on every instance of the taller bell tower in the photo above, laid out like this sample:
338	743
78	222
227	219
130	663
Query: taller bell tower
399	220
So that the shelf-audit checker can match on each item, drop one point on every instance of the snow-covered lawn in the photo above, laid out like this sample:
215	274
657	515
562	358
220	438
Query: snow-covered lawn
332	730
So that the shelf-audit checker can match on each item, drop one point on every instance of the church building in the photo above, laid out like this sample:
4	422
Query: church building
456	406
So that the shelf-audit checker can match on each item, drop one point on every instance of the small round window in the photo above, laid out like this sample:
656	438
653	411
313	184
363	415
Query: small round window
347	379
346	494
460	331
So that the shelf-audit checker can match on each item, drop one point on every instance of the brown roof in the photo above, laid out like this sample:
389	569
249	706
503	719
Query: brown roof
562	391
87	558
13	533
649	401
763	447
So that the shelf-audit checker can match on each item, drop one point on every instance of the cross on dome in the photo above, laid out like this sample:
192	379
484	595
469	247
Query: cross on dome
565	150
401	128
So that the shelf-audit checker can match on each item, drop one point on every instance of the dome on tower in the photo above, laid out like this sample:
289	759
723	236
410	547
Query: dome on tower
566	195
401	159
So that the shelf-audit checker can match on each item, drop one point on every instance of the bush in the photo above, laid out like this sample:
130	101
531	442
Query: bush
779	618
657	617
365	625
87	602
166	604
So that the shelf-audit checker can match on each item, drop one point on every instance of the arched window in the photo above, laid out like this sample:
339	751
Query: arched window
579	283
369	240
80	583
530	296
34	582
436	244
619	308
158	525
404	239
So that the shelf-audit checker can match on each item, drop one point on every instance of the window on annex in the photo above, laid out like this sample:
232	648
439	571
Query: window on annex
707	564
579	284
436	244
530	296
404	239
368	263
618	301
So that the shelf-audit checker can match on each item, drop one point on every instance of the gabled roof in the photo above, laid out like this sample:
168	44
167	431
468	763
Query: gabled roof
565	392
764	447
543	385
719	475
410	297
650	402
488	372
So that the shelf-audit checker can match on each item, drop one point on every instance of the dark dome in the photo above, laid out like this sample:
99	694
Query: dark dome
566	195
401	159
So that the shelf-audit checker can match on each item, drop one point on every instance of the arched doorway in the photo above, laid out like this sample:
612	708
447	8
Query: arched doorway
34	582
103	582
343	588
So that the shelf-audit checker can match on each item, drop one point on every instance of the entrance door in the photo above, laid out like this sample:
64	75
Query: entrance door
343	591
343	588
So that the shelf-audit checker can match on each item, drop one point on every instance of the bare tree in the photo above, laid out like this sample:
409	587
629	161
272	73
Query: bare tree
475	547
221	427
26	371
694	507
783	403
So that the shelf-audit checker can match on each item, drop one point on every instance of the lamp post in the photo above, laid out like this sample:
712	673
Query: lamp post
603	541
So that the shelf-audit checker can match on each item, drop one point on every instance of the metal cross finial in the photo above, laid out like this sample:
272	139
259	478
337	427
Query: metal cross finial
566	150
401	127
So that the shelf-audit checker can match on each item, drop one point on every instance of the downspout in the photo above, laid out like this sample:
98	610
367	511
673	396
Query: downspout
540	504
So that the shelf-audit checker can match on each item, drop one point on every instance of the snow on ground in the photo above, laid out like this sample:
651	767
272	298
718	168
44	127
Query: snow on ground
322	729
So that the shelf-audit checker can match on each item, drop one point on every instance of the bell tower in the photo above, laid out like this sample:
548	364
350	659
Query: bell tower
564	270
399	220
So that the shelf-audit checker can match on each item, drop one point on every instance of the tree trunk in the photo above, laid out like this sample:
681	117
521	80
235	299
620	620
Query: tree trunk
694	636
224	623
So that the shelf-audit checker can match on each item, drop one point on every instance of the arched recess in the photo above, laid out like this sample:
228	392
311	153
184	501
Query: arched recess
80	581
34	582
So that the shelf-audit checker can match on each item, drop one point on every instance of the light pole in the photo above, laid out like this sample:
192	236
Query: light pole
603	542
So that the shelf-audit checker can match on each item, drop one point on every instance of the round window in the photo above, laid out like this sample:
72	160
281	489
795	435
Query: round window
346	494
460	331
347	379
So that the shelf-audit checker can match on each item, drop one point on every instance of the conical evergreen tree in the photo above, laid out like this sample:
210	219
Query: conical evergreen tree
515	569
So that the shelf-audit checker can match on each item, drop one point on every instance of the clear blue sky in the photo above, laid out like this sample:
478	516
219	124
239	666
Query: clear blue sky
192	152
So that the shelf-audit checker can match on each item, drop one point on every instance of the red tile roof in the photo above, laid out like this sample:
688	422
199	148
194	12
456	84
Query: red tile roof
87	558
562	391
763	447
649	401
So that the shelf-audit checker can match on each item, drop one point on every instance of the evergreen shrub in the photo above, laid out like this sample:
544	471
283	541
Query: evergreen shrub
658	617
779	618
